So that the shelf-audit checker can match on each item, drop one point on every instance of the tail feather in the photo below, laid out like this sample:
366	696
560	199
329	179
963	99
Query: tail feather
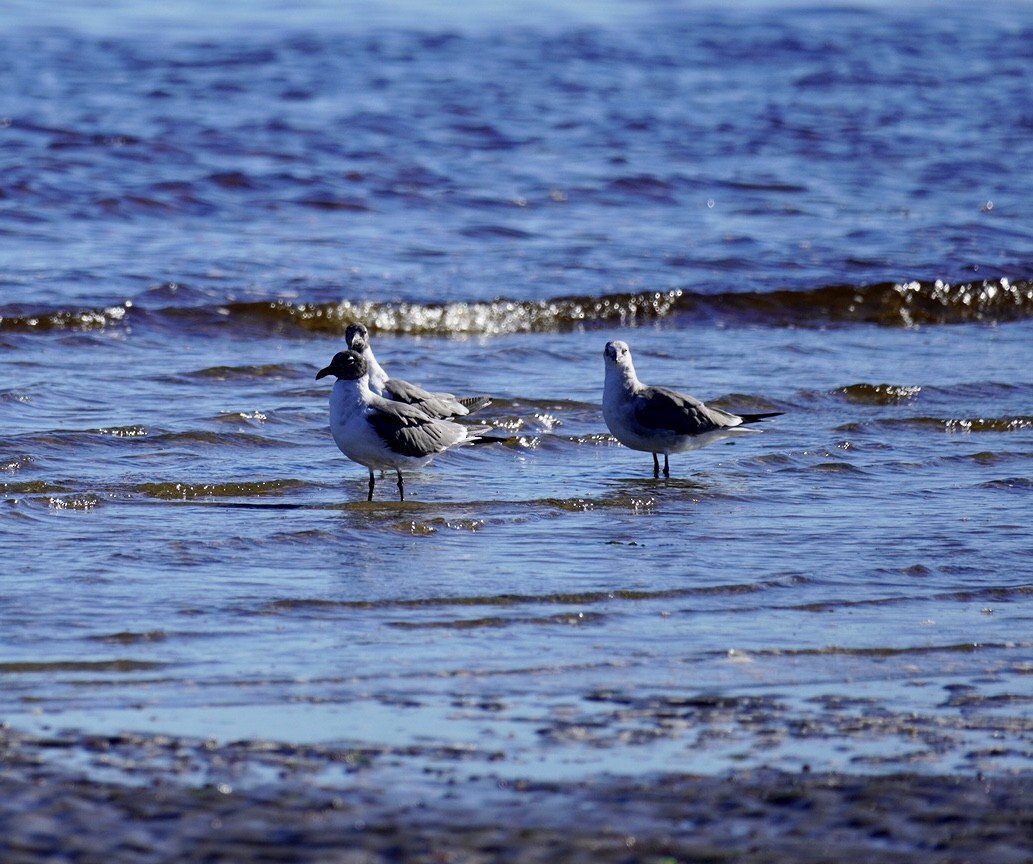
754	418
474	403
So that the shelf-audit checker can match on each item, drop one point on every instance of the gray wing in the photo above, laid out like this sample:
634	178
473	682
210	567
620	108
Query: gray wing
438	404
443	405
659	408
409	431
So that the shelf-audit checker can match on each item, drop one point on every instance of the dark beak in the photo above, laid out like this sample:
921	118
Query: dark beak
322	373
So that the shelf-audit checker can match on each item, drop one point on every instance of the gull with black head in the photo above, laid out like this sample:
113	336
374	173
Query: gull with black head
441	405
382	434
658	420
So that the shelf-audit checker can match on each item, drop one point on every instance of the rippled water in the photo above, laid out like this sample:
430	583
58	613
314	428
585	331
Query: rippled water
820	212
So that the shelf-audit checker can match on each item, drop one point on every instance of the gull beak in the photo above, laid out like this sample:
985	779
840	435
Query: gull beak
322	373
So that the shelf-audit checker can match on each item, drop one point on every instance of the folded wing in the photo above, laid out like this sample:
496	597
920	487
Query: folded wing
658	408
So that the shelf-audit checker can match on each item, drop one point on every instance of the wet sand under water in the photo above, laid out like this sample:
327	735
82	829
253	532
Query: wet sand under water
174	799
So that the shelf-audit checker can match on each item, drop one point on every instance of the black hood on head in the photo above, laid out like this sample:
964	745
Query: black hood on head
348	365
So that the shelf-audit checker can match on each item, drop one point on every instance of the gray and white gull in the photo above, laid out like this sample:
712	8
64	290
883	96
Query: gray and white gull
441	405
380	433
658	420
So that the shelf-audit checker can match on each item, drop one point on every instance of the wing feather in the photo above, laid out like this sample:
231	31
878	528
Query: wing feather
408	431
439	404
659	408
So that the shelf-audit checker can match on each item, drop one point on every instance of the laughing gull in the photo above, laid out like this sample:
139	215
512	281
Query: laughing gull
441	405
659	420
379	433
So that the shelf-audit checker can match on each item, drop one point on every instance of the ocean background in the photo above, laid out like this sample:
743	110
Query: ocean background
820	209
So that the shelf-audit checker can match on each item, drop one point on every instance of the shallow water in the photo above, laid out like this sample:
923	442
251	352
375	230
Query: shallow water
824	213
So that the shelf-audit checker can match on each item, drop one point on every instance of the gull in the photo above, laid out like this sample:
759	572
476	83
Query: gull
659	420
380	433
441	405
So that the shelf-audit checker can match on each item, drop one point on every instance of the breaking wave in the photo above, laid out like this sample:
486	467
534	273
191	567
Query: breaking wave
885	304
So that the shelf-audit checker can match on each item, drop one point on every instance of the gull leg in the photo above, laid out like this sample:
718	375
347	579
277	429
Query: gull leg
656	466
667	467
372	483
401	488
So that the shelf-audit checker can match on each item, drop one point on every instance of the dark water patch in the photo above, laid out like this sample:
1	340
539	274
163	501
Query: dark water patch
18	396
838	468
987	457
525	405
499	621
173	491
129	637
970	697
134	205
508	600
764	186
432	526
887	304
887	651
225	439
120	665
347	506
491	232
1013	484
994	390
995	594
29	487
304	537
233	180
703	701
82	501
780	461
335	203
528	441
988	424
251	418
915	570
131	431
76	439
878	394
594	439
633	502
647	186
165	294
271	371
615	718
943	424
574	505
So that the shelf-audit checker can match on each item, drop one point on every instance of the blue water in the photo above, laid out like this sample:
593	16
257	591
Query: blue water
820	211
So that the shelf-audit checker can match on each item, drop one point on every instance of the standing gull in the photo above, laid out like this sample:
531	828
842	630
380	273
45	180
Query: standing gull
659	420
440	405
380	433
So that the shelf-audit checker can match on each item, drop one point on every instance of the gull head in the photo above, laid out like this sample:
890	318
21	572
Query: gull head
617	353
619	367
357	337
346	365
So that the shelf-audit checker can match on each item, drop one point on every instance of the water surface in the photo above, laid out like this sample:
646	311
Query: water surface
823	212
